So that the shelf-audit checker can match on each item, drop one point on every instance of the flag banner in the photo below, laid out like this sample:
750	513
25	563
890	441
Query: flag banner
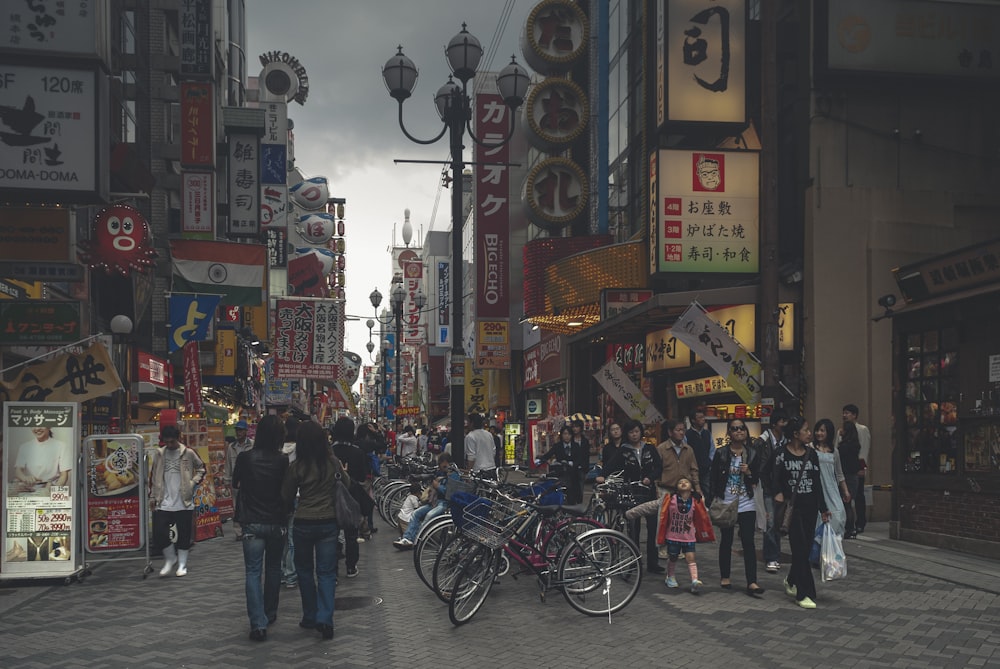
192	379
344	386
308	339
626	394
235	271
707	338
190	318
71	377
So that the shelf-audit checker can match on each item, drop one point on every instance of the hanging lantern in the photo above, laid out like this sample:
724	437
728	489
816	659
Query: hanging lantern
340	228
340	245
341	279
341	262
340	210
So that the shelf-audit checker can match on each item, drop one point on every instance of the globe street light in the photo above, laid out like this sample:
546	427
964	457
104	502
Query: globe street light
455	109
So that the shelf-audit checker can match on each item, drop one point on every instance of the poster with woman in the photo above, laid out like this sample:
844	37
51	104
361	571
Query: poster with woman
40	455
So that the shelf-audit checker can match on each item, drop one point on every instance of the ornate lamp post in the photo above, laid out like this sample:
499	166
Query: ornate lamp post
376	299
455	109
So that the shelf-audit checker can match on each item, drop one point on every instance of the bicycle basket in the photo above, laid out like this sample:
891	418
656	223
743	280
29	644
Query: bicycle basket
456	486
457	504
491	522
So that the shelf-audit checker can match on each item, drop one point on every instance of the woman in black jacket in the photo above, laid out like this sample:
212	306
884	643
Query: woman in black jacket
797	477
734	473
258	474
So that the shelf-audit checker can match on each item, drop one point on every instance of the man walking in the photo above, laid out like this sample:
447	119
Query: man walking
769	444
407	443
850	415
480	449
233	450
678	461
175	472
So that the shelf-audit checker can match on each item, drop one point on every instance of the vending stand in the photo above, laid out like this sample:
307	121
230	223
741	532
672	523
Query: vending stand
41	495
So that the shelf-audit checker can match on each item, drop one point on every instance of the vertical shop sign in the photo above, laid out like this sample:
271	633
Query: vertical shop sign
197	43
197	124
244	185
413	279
40	479
442	313
492	208
308	341
192	379
273	148
198	204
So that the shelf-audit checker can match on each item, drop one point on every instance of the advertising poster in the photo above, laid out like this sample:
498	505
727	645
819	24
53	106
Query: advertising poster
207	523
216	465
39	472
114	492
308	339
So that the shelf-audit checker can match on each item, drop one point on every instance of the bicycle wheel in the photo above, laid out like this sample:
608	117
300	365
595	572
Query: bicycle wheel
473	584
394	502
448	565
562	534
388	497
600	572
428	546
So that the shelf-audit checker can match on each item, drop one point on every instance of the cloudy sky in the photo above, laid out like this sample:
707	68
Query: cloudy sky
348	129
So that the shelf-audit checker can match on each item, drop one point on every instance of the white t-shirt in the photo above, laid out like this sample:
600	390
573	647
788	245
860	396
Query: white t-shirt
407	444
45	459
480	449
172	481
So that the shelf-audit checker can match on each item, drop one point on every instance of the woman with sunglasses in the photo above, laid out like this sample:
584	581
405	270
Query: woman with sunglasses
796	473
735	471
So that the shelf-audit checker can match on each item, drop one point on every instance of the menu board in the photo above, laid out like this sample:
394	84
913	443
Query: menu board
39	471
115	491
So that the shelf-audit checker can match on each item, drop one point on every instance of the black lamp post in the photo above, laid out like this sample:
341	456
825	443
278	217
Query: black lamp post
396	299
376	300
455	109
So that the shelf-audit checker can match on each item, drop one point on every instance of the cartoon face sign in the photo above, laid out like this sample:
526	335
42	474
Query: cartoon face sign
120	241
316	228
311	194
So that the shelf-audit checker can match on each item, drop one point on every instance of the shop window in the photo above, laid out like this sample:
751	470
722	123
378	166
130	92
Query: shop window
931	401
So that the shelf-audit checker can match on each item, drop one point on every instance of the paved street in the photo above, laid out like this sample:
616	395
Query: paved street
901	606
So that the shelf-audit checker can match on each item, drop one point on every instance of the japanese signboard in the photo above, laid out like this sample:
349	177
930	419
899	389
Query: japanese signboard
273	146
707	212
413	317
713	342
958	270
274	207
492	210
616	300
711	385
52	27
224	368
35	235
441	314
114	480
665	351
197	124
198	204
476	389
943	39
706	61
630	357
244	185
626	394
51	131
197	39
308	340
493	344
154	371
40	505
39	322
70	377
192	378
277	246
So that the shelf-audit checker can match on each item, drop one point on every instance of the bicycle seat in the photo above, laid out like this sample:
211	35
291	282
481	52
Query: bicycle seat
553	509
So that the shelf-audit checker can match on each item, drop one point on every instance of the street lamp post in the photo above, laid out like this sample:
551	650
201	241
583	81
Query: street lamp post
396	299
455	109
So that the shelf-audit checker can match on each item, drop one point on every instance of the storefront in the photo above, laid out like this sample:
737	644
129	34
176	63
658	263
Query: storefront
946	370
544	384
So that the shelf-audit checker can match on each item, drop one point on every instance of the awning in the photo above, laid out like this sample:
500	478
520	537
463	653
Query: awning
585	417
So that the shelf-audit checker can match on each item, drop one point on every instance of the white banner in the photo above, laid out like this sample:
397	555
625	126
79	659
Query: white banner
626	394
724	354
198	203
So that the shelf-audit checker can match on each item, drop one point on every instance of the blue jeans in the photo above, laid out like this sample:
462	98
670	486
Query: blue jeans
263	544
421	515
772	539
319	541
288	574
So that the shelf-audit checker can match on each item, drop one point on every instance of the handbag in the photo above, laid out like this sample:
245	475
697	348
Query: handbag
346	507
724	515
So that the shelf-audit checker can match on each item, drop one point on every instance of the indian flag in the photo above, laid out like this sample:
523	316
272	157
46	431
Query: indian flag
235	271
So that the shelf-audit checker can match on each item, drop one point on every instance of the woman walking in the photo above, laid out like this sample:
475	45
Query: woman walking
735	471
258	475
315	530
797	480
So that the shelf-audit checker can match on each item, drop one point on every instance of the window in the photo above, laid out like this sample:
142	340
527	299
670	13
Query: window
931	399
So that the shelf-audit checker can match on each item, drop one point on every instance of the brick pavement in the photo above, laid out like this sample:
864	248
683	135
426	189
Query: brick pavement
880	616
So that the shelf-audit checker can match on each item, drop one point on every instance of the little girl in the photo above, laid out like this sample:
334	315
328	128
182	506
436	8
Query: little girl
410	504
676	529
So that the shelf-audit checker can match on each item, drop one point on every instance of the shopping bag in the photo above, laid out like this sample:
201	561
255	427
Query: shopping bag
833	562
817	544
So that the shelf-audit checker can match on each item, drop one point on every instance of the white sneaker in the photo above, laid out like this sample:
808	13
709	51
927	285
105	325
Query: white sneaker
181	571
403	543
167	567
773	567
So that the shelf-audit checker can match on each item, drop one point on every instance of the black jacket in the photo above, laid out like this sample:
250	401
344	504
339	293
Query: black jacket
358	466
700	442
719	474
258	475
578	454
635	469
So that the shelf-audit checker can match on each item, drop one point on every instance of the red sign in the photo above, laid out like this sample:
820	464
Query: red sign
630	357
114	501
192	378
197	124
154	370
492	190
305	276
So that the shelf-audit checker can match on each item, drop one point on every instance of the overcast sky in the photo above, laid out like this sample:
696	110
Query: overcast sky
348	129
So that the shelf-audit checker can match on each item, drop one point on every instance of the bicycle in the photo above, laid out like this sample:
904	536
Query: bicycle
599	572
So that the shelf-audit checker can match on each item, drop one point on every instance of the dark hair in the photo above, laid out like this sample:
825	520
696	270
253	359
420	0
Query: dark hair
697	410
270	434
312	447
853	408
476	421
795	423
670	423
291	428
363	433
343	430
408	428
778	414
170	432
565	428
629	426
831	431
576	422
416	488
443	458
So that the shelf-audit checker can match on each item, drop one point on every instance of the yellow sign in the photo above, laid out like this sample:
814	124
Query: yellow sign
665	351
741	323
710	385
225	354
493	344
71	377
256	319
476	389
